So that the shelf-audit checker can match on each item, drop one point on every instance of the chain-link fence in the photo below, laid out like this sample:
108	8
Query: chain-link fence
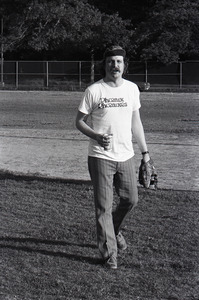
76	75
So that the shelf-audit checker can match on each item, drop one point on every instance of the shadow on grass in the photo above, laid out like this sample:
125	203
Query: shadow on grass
19	244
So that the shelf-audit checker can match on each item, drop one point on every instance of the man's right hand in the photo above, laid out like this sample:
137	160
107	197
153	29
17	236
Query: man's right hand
103	140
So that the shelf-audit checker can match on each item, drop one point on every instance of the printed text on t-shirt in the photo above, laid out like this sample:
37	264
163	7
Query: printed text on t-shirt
111	102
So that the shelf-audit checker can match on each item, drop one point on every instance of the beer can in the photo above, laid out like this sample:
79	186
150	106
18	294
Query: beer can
110	145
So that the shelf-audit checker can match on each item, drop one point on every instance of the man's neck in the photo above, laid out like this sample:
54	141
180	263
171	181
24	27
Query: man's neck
113	82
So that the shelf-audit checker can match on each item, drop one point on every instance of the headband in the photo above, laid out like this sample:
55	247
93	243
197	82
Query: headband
115	52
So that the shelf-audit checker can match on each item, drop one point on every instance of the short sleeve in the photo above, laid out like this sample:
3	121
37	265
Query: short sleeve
137	103
86	102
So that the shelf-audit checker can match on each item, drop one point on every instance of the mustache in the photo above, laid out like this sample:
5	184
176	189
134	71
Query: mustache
115	69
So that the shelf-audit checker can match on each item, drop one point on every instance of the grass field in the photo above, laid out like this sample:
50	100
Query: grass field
48	245
161	112
47	234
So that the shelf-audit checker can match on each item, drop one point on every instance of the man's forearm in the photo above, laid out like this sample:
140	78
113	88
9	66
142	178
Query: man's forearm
139	135
86	129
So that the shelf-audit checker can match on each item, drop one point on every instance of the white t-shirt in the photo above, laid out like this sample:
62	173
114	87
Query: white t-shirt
110	109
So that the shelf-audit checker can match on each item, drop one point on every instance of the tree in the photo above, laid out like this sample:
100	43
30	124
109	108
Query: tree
170	33
163	30
14	16
47	25
134	10
111	30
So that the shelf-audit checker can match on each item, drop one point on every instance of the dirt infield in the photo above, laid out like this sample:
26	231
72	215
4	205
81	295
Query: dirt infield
38	136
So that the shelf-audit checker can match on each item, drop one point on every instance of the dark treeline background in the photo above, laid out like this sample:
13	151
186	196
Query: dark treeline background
163	30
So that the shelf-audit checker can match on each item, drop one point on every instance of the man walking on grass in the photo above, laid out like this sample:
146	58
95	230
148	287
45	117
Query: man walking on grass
113	106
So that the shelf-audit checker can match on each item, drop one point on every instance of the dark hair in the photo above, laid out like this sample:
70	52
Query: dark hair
114	50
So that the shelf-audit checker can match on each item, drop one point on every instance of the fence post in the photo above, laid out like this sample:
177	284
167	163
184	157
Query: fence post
181	76
92	66
2	53
80	75
17	75
146	84
47	75
146	72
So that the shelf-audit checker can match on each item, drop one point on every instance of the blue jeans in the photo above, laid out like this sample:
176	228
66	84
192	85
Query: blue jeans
104	174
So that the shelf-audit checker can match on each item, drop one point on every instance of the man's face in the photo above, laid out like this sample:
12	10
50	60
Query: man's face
114	67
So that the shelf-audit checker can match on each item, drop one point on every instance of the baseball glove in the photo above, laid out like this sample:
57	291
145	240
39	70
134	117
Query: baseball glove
147	175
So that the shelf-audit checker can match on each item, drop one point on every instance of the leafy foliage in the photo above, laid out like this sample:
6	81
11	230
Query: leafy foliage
66	22
49	24
164	30
14	15
171	31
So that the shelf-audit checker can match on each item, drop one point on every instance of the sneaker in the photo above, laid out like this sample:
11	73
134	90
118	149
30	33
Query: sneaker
111	263
121	243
